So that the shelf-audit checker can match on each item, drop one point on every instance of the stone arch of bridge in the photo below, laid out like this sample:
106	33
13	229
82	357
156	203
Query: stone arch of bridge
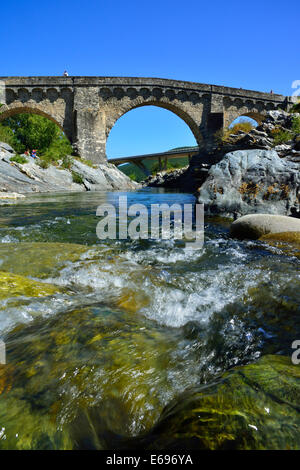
232	116
12	110
258	117
194	127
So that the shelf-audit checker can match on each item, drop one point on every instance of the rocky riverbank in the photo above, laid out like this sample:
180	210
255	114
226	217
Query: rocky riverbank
248	173
78	176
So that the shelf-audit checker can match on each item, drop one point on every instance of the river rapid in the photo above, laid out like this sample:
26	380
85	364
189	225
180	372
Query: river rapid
124	327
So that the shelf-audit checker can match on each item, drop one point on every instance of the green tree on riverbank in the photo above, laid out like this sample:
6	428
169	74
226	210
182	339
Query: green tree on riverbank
30	131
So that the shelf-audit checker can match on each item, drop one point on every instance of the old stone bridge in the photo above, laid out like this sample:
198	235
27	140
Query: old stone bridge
86	108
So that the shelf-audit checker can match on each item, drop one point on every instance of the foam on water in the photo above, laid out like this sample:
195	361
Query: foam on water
175	298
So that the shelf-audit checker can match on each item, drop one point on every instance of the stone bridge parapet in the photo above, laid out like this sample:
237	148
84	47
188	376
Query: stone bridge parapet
86	108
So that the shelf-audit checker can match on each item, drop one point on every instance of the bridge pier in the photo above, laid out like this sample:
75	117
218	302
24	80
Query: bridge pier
89	125
90	139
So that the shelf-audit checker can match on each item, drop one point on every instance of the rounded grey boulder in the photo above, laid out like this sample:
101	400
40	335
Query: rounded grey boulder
253	226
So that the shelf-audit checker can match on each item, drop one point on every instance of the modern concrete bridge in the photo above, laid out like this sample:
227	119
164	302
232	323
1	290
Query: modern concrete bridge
86	108
162	158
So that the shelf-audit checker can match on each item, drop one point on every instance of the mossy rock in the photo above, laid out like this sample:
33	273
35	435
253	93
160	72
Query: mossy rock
289	242
92	361
250	407
290	237
132	300
13	285
39	259
24	427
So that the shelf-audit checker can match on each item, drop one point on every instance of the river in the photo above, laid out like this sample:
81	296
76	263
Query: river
124	326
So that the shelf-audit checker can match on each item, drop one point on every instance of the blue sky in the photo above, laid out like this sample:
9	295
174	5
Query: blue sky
252	45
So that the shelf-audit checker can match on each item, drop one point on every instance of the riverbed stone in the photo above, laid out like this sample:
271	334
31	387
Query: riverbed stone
13	285
250	407
40	260
287	242
254	226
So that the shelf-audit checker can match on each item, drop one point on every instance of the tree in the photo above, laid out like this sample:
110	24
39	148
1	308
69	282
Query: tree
31	131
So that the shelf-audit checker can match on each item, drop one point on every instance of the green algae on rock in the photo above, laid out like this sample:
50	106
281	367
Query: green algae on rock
91	357
288	242
13	285
38	259
291	237
250	407
25	427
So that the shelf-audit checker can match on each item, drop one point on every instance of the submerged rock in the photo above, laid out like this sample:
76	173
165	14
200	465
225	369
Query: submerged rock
254	226
92	361
250	407
251	181
290	237
39	260
13	285
287	242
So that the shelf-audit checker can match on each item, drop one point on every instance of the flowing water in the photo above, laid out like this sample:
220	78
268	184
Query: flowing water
124	326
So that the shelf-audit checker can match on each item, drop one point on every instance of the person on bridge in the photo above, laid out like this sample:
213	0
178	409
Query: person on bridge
66	74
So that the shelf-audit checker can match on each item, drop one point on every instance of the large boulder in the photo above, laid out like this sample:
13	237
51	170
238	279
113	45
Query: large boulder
103	176
254	226
251	181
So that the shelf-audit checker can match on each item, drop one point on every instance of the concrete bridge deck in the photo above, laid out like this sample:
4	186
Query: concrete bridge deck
161	157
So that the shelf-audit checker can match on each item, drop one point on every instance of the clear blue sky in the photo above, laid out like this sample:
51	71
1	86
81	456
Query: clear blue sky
252	45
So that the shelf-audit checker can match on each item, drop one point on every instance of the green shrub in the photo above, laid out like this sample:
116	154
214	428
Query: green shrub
7	136
66	162
296	125
132	176
155	167
243	125
19	159
296	108
280	136
223	135
77	178
86	162
43	163
59	148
